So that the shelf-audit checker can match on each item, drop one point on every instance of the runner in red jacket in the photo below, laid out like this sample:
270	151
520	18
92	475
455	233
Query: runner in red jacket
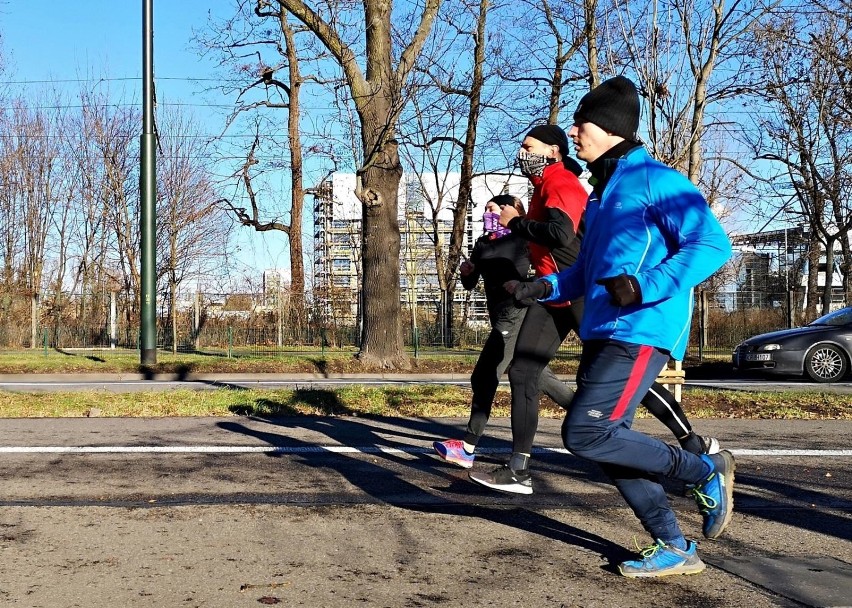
553	228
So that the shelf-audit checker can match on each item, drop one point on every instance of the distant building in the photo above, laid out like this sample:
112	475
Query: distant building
276	290
425	207
275	280
776	261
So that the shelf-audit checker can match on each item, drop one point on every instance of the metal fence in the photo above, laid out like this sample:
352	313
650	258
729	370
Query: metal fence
246	324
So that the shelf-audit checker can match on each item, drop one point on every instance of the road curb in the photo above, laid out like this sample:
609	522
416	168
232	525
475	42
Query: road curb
229	377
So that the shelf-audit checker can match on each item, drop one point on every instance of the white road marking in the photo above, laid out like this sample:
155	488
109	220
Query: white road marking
837	387
336	449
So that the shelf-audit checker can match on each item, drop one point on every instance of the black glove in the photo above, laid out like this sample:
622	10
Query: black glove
527	293
624	289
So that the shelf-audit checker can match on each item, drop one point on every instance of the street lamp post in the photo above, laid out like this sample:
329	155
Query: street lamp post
148	195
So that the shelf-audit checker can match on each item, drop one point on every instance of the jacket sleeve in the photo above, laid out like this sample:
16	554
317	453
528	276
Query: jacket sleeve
564	202
568	284
470	281
700	245
556	230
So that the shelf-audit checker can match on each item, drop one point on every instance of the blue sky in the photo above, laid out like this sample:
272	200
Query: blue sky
64	41
70	38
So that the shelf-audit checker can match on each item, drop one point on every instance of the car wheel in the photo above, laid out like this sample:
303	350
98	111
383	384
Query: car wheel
825	363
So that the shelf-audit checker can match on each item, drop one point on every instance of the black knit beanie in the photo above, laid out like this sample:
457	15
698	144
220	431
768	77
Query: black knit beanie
554	136
613	105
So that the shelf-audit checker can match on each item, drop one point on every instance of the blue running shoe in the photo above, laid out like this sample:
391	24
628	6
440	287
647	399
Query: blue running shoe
715	495
660	559
452	450
700	445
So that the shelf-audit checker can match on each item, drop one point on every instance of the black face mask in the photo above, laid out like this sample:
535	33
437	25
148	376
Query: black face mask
531	164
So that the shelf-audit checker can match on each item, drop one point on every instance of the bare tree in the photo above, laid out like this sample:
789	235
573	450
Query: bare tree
807	133
69	206
64	216
547	55
442	126
269	83
115	136
89	234
688	55
376	80
38	181
192	235
34	204
11	247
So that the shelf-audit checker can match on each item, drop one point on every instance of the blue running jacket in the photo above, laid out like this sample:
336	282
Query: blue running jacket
650	222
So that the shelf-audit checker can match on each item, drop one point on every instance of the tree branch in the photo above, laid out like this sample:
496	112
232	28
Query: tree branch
406	60
244	217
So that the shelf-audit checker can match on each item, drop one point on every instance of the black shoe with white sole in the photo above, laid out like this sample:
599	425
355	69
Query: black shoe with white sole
504	479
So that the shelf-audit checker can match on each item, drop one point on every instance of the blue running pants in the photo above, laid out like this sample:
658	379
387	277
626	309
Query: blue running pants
612	379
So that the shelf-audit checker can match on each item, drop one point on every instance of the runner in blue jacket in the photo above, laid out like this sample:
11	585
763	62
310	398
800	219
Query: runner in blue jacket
650	238
664	238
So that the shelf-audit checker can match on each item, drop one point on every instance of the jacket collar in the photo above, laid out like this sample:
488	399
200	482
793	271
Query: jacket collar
604	166
549	169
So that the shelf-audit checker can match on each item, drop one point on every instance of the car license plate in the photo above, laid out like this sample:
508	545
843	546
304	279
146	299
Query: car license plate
758	357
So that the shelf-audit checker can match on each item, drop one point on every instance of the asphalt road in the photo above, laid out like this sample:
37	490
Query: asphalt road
128	383
356	512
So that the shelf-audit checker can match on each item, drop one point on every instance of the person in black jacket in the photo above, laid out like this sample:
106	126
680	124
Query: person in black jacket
498	256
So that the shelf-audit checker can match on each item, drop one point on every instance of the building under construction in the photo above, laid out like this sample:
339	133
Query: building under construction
425	217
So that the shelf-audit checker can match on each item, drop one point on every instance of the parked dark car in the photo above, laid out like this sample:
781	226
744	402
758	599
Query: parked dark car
822	350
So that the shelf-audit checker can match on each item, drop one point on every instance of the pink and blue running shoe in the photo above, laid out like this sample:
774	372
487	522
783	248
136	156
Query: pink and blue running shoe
452	450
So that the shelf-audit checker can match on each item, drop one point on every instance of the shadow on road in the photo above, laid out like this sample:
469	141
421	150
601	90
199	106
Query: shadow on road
812	502
382	477
813	505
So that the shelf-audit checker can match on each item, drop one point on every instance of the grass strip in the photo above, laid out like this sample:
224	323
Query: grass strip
412	401
109	362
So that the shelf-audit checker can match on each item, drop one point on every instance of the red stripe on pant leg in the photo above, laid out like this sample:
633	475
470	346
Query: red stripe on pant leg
633	381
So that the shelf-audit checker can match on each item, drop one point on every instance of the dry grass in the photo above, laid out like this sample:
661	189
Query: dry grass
415	401
354	400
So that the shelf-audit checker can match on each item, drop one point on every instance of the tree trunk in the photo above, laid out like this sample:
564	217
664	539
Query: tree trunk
699	102
829	277
297	201
378	187
466	176
173	313
377	94
813	276
591	30
381	337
